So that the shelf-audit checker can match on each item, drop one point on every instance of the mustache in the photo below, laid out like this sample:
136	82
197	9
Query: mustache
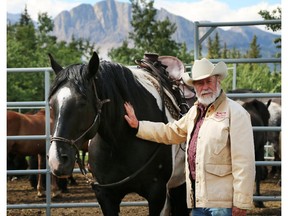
206	92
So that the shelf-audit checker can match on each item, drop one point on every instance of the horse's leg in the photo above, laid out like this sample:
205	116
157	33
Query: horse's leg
156	195
83	157
108	201
40	188
72	180
33	164
276	171
258	204
62	184
55	189
178	200
259	141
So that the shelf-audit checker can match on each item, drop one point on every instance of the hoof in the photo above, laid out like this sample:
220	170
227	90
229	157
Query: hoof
56	194
73	183
41	194
279	183
14	178
259	204
65	190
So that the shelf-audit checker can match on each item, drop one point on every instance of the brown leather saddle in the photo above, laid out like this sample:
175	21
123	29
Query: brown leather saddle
168	70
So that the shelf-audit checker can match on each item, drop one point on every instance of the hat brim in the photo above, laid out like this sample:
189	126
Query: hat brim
220	70
187	79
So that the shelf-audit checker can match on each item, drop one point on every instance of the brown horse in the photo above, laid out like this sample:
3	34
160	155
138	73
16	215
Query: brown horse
29	124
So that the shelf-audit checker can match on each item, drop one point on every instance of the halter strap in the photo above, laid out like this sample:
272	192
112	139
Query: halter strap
93	127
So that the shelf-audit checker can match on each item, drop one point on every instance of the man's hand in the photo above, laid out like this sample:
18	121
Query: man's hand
130	117
238	212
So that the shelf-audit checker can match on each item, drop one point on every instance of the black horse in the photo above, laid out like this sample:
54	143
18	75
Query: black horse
274	137
259	117
88	100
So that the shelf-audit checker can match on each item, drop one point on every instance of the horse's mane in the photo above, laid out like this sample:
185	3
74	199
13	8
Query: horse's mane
111	77
117	79
76	74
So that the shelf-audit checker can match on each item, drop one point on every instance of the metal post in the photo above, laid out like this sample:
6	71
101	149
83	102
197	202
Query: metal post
234	84
196	40
47	132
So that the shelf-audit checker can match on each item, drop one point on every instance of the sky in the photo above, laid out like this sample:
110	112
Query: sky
193	10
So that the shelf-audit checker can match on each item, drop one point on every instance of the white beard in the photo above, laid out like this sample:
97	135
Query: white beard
206	100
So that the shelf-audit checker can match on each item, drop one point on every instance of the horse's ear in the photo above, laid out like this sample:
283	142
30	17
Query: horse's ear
268	103
55	66
93	65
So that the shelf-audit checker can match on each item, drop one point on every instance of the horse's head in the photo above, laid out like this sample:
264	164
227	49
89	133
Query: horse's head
75	106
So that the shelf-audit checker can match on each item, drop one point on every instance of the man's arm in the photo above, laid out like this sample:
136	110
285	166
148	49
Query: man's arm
170	133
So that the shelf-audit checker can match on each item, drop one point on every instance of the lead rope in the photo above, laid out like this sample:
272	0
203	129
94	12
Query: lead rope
128	178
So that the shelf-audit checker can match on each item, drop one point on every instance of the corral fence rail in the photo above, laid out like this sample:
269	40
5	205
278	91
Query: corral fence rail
48	205
46	171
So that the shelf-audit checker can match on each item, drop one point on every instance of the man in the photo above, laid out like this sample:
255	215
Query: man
220	163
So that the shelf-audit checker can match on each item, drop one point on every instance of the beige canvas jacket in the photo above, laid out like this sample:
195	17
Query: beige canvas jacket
225	161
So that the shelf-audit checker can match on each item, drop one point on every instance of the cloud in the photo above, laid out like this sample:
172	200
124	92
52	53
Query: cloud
213	10
52	7
204	10
195	11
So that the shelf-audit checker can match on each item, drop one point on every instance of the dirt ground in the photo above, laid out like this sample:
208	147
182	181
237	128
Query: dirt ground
19	192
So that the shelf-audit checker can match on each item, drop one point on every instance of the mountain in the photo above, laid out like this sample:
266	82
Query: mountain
12	18
107	24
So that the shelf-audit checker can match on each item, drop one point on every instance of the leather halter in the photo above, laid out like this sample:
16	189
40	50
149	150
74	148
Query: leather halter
92	128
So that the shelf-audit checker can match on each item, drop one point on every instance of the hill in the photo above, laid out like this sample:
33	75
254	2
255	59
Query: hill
107	24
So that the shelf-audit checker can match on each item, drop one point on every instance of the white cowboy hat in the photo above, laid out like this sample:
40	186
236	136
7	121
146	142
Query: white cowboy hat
187	79
204	68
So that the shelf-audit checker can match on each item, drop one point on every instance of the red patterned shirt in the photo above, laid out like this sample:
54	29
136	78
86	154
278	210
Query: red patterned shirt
201	109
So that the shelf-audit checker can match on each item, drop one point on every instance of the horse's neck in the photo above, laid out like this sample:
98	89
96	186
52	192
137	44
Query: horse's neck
41	112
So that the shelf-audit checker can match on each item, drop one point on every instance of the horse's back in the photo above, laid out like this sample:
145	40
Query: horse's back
25	124
13	123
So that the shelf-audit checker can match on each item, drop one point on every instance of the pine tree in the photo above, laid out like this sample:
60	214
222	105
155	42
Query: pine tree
210	48
224	53
275	14
216	46
254	51
28	46
149	35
